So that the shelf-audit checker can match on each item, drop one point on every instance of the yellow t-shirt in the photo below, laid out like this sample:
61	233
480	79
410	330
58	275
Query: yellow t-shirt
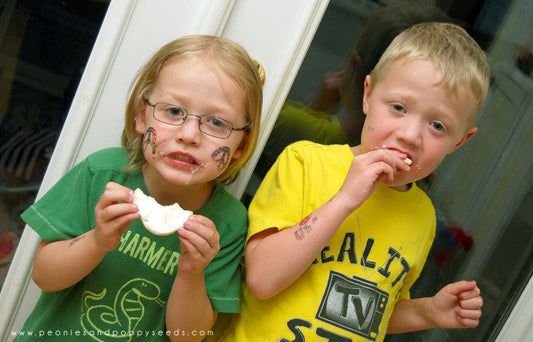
350	290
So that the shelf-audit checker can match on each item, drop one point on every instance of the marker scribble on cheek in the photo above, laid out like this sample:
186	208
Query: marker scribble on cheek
221	156
150	138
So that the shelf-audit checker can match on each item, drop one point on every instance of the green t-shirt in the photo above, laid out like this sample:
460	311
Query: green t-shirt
126	294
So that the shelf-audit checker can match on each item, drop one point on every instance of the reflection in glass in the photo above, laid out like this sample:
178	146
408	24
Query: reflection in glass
44	46
483	192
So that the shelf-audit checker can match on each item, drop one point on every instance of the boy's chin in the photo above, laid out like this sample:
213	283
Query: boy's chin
399	184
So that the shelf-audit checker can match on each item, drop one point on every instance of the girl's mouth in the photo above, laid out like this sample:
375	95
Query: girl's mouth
183	160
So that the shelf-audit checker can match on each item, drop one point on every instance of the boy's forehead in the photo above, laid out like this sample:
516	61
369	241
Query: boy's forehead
402	71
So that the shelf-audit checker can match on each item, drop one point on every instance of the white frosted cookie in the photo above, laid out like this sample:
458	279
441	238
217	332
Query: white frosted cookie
160	219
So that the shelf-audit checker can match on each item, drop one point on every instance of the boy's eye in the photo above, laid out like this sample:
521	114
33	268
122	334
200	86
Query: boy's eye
398	108
438	126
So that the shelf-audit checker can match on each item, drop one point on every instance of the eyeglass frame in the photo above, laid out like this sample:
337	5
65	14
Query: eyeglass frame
187	114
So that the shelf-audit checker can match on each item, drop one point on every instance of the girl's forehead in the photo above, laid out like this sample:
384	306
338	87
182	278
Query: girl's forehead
195	85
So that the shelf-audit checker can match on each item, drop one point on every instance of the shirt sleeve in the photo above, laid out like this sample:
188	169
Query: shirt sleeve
62	213
279	200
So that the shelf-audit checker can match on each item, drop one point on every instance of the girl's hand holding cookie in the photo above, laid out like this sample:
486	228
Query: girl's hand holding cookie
113	214
199	244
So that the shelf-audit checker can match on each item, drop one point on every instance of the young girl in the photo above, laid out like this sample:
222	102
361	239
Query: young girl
192	122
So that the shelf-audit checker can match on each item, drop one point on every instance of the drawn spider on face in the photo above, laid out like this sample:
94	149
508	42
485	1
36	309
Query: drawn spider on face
150	138
221	156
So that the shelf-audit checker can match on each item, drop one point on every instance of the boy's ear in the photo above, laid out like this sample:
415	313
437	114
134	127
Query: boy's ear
465	138
366	95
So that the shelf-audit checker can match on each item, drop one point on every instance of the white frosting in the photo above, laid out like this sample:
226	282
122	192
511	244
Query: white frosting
160	219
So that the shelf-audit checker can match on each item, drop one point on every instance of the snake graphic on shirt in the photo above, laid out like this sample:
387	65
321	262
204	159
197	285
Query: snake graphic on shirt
106	323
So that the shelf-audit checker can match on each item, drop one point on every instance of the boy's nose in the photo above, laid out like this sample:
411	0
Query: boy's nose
410	132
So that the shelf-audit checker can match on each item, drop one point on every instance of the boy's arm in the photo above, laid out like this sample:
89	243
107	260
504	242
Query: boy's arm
276	258
61	264
189	309
457	305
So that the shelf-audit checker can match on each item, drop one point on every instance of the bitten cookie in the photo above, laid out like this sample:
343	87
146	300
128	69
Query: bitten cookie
159	219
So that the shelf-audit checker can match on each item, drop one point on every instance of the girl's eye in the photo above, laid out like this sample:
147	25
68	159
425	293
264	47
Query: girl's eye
438	126
216	122
175	111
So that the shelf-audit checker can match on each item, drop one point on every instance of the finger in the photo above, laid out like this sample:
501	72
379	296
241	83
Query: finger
468	318
202	220
469	323
472	303
194	245
475	292
468	314
115	193
202	244
395	159
117	211
460	287
203	227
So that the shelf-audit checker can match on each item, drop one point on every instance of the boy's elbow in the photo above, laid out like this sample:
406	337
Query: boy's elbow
261	285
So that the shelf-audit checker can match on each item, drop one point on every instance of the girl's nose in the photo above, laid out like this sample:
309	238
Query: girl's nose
189	132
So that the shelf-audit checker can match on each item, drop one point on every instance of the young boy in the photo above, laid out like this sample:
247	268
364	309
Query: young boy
339	234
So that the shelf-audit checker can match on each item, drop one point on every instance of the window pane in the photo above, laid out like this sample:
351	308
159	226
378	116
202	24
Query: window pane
44	46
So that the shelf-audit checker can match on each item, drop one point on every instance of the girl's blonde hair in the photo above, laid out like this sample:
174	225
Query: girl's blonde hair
223	56
452	51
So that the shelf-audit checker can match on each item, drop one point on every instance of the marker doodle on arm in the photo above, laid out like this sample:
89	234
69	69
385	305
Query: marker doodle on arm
304	227
150	138
72	242
221	156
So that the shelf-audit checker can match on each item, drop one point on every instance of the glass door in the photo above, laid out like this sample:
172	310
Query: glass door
482	192
44	46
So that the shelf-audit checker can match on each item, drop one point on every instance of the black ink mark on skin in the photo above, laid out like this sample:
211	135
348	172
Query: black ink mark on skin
150	138
76	240
221	156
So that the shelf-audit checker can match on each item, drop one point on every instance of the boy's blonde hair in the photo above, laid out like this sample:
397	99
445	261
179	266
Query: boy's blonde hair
452	51
223	56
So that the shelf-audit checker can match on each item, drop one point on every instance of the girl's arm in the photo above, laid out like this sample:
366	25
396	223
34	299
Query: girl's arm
61	264
275	259
189	309
457	305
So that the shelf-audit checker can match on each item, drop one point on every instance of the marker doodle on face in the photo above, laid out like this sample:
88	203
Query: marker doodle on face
150	138
221	156
202	167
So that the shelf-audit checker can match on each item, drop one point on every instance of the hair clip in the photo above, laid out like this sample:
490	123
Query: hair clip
261	71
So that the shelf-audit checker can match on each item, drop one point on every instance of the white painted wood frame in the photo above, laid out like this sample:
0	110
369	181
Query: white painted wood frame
276	32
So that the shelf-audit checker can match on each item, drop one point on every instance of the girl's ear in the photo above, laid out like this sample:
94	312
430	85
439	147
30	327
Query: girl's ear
140	122
366	95
242	147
